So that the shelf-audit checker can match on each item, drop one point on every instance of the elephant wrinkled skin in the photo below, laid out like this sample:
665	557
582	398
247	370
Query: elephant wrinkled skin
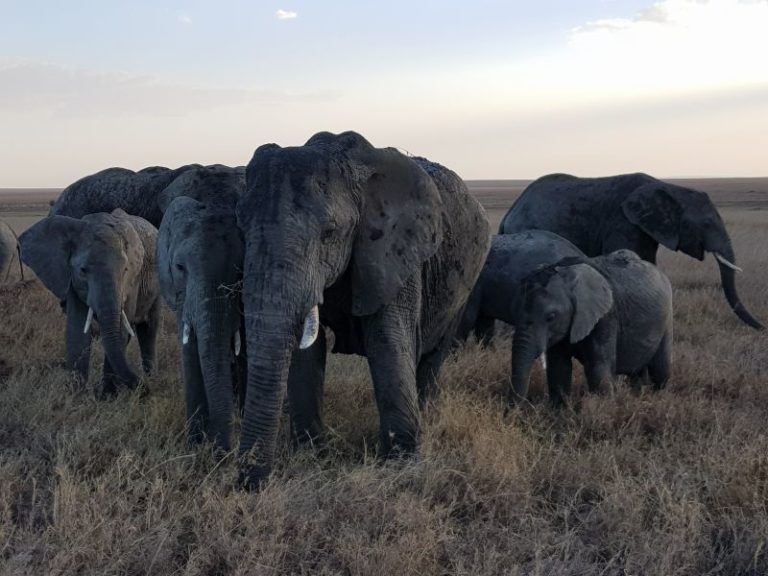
381	248
632	211
103	267
613	313
200	259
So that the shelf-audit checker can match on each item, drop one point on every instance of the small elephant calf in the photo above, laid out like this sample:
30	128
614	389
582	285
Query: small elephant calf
613	313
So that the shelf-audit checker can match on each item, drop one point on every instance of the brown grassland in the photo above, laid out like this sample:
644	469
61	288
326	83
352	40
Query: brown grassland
667	483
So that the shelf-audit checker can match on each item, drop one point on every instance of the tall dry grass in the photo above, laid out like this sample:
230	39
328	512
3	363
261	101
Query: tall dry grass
668	483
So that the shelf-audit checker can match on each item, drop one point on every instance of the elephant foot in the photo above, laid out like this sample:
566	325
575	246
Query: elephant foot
109	388
398	446
252	478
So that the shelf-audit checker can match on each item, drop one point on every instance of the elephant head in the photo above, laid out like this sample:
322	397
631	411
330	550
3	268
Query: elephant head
336	210
96	264
561	302
200	258
686	220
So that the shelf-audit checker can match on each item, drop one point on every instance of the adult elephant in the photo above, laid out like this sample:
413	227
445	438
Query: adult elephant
382	248
498	292
103	267
136	193
9	252
200	260
632	211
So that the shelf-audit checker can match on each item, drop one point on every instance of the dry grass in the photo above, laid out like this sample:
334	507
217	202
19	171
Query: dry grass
672	483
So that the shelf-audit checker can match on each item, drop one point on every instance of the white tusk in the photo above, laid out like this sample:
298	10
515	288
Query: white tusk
88	321
237	343
311	328
543	360
725	262
185	334
128	325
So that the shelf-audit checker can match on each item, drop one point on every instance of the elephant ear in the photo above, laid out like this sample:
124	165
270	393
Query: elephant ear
592	299
46	248
401	227
655	212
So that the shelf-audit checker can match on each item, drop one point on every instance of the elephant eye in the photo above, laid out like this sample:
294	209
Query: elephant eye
180	268
84	270
551	316
327	234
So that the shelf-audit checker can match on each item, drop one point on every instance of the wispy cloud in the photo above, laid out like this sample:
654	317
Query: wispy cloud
185	19
286	14
52	90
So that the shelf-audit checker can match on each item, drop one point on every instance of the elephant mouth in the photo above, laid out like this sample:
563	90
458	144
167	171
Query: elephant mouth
124	318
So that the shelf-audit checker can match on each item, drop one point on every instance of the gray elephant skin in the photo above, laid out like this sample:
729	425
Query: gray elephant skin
103	267
199	260
138	193
498	292
9	252
613	313
632	211
381	248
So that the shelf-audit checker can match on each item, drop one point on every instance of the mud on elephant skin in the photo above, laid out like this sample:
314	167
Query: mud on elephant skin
103	267
381	248
613	313
632	211
200	259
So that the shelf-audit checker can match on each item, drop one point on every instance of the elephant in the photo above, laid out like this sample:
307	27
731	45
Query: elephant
613	313
137	193
199	260
632	211
497	293
103	267
381	248
9	252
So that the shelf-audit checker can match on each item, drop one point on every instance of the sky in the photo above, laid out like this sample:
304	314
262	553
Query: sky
490	88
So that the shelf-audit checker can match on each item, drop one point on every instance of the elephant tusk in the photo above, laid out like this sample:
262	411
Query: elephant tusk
128	325
185	334
311	328
543	360
88	320
724	261
237	343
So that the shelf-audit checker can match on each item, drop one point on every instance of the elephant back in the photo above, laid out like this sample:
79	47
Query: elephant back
134	192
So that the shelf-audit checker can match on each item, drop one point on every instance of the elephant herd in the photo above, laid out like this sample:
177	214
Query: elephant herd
390	253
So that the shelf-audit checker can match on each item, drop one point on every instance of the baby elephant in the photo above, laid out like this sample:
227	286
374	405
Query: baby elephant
102	267
613	313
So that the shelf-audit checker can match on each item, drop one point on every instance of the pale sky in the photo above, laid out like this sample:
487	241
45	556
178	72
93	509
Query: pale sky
490	88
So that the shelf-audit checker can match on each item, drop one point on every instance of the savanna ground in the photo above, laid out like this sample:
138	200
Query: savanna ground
668	483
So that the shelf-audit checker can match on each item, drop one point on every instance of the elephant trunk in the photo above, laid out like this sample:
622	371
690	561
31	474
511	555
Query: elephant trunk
213	328
525	350
276	305
111	323
726	261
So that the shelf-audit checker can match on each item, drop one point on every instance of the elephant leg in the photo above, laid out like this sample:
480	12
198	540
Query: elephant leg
391	348
305	391
660	367
637	380
427	371
485	327
559	373
146	334
194	390
78	342
598	376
